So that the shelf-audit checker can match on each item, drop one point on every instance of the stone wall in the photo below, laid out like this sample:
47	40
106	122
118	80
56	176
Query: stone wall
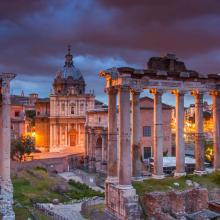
174	204
58	165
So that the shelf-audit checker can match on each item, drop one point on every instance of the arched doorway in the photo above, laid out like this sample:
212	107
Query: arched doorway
98	149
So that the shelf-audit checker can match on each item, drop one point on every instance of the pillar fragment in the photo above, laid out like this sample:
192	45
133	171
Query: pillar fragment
112	167
135	137
199	135
180	147
6	194
158	134
216	127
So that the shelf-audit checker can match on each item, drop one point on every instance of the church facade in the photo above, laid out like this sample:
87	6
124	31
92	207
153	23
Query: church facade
60	119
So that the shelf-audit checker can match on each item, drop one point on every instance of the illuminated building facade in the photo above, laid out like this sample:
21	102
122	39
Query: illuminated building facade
60	119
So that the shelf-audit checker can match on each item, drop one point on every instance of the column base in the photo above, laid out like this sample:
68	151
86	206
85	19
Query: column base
158	177
92	167
6	201
125	187
216	169
112	179
137	178
122	202
200	172
179	174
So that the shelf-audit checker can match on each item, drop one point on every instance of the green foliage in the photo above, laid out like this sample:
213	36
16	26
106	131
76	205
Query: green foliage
80	190
21	146
209	181
31	114
41	168
36	185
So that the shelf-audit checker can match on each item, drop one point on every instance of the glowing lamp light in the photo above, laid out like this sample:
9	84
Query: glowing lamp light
33	134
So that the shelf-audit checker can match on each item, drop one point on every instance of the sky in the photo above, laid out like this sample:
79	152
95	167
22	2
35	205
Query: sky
34	35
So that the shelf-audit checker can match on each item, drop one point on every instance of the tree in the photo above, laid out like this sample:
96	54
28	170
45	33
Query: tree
21	146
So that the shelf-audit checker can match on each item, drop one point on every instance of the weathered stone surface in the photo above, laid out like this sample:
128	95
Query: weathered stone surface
167	205
122	203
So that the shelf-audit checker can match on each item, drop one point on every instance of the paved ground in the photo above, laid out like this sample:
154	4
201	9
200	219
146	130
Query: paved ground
68	212
68	151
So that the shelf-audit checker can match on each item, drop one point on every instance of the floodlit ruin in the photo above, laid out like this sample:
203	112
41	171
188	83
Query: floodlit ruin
165	74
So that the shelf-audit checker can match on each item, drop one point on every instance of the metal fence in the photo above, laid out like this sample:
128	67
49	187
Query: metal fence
49	213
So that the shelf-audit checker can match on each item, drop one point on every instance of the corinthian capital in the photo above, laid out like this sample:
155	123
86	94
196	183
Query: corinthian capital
214	93
178	92
156	91
196	93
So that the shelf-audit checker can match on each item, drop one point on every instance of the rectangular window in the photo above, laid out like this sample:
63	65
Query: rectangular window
147	131
17	114
72	110
147	152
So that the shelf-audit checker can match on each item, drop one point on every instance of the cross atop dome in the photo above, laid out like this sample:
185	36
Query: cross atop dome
68	57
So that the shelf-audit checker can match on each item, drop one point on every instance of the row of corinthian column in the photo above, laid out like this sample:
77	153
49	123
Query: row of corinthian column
125	162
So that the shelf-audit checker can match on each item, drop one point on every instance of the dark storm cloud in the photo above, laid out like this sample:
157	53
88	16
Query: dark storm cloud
104	33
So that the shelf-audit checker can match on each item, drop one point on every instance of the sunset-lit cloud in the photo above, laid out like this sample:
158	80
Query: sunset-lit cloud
103	33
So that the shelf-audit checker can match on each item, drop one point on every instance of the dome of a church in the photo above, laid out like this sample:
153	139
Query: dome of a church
69	80
69	68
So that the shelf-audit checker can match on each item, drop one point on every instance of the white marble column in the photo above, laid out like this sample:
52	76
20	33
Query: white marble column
180	147
199	136
135	136
6	131
158	134
5	148
216	128
112	166
124	138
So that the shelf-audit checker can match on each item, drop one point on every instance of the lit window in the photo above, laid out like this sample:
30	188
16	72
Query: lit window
146	131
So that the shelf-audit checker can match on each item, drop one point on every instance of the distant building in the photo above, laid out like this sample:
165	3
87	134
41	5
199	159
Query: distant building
21	124
97	132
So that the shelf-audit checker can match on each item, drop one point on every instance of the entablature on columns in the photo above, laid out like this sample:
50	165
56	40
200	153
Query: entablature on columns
152	78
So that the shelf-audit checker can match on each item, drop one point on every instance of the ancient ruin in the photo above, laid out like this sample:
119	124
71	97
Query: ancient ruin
165	74
6	189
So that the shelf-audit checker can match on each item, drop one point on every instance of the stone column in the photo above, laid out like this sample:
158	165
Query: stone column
199	136
112	167
85	142
124	138
6	132
135	137
180	147
216	128
5	149
103	148
158	134
91	151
